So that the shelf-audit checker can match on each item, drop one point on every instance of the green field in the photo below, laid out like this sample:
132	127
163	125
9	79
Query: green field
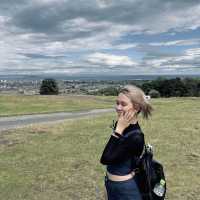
21	104
54	162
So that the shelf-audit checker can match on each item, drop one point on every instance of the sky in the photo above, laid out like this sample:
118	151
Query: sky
101	37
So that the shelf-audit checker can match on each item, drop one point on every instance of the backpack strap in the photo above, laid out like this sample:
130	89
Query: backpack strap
147	159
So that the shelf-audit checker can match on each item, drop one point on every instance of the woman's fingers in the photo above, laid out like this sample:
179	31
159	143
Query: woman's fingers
125	118
129	115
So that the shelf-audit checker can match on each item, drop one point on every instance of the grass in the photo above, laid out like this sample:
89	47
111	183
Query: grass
22	104
54	162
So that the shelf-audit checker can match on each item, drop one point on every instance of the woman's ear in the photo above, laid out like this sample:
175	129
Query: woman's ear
137	108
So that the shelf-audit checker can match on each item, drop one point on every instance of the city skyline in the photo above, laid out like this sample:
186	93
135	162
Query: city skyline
99	37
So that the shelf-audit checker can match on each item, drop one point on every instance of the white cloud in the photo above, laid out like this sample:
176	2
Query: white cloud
193	53
110	60
124	46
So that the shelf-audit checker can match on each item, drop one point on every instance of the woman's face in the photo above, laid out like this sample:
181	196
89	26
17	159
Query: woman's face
123	104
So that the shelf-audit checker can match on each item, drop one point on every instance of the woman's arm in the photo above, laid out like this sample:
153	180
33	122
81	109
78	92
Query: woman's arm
120	149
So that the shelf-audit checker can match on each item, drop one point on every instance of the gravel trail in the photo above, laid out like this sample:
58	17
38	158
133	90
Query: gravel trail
14	122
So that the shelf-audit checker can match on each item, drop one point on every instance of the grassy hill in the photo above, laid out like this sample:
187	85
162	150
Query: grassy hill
22	104
54	162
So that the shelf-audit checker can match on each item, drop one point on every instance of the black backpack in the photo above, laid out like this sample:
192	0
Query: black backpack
149	172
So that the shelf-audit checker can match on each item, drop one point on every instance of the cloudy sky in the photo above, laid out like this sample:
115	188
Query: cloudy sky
76	37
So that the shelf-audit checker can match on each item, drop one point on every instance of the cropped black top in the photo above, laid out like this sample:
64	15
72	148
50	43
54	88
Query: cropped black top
120	153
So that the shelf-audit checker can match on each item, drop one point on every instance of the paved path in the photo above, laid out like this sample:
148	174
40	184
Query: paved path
7	123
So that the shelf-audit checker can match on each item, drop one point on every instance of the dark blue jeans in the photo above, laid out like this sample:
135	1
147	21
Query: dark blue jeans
122	190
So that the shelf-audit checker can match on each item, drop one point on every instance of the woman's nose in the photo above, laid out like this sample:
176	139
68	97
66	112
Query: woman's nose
118	107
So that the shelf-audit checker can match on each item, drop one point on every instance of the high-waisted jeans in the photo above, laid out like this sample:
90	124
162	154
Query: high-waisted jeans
122	190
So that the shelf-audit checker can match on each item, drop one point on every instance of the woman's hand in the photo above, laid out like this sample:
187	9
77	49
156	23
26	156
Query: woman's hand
124	120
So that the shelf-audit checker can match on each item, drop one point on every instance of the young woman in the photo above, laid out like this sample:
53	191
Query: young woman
125	144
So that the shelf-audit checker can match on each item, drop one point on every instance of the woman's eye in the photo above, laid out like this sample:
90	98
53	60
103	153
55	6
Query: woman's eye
123	104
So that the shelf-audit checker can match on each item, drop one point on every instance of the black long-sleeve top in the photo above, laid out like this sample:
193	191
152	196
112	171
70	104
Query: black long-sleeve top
118	152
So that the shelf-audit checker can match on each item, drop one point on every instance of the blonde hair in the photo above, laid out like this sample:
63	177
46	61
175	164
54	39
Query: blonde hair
138	99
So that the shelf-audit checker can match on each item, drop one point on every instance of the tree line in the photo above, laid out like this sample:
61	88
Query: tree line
173	87
177	87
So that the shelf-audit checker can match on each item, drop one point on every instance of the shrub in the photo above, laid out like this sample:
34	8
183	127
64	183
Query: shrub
154	93
49	87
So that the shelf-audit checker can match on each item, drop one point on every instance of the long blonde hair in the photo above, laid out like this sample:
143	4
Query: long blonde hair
138	99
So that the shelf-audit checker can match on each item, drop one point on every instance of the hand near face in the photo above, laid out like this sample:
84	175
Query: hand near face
124	119
126	112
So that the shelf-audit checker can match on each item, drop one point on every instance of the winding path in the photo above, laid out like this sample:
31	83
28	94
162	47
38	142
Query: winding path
7	123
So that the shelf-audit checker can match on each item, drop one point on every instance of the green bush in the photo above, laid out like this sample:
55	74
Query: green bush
49	87
154	93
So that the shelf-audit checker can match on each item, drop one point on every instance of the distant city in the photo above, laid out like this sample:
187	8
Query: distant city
94	77
85	84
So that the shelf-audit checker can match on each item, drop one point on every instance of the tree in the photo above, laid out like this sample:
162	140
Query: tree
146	87
179	89
193	86
154	93
49	87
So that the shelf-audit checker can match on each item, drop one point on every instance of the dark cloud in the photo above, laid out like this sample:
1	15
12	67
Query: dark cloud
37	19
41	56
49	18
54	21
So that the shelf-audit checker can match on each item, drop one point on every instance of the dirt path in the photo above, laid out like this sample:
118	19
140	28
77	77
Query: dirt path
7	123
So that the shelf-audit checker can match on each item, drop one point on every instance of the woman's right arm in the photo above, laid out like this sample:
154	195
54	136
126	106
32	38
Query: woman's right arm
115	151
120	149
